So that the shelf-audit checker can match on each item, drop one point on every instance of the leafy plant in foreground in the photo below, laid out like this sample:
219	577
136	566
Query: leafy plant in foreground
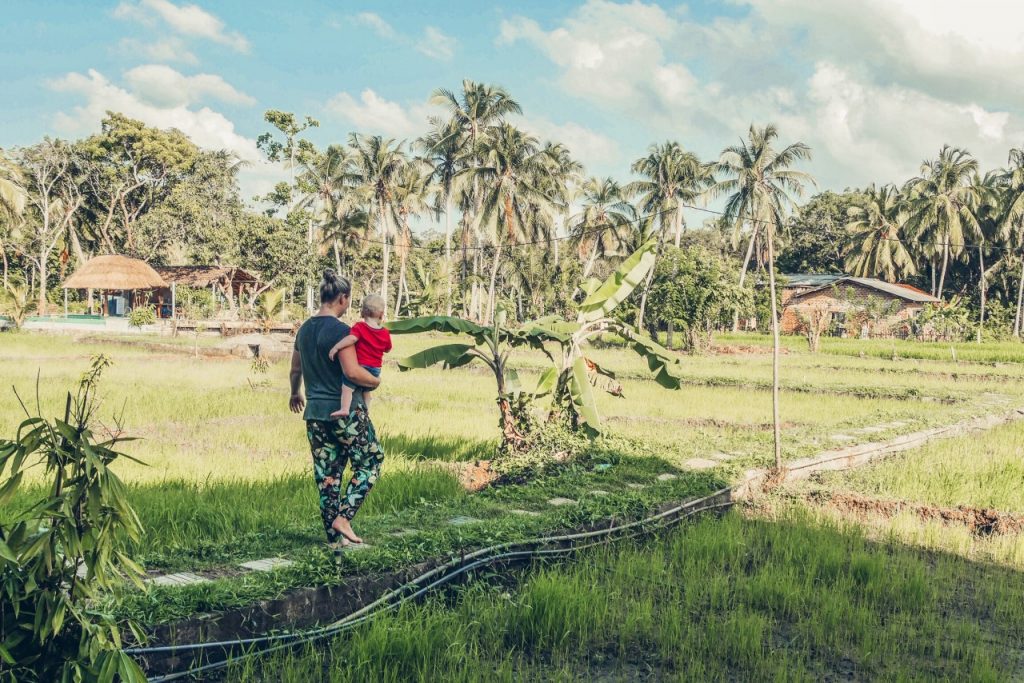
573	374
57	555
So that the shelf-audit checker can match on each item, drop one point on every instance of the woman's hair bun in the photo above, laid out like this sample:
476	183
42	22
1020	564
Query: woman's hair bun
333	286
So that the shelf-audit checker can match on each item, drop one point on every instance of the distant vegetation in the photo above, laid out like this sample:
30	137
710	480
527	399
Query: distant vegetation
476	212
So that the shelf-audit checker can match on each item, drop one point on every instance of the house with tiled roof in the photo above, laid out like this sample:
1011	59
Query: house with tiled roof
845	298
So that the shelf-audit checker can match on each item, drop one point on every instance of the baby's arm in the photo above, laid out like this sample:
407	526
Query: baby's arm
347	341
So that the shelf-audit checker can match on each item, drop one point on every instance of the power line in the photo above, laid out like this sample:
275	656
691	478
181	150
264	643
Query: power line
656	214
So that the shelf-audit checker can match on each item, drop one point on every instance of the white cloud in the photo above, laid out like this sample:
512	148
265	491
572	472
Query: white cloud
436	44
186	19
163	86
377	23
372	113
588	146
207	128
169	49
880	133
890	81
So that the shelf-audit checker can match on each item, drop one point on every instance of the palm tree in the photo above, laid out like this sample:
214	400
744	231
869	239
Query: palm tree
513	204
328	187
1013	221
874	227
444	147
672	179
990	231
379	164
943	200
410	199
604	223
470	114
13	198
760	188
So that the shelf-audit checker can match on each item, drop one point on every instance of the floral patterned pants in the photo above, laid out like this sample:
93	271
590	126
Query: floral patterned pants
333	444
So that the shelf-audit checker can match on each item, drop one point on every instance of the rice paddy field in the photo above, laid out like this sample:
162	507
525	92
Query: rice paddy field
809	583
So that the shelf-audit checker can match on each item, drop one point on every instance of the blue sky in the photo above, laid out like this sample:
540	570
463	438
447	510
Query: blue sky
874	87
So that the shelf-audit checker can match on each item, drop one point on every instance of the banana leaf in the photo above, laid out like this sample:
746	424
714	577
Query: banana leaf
603	379
437	323
659	359
452	355
583	398
546	383
600	303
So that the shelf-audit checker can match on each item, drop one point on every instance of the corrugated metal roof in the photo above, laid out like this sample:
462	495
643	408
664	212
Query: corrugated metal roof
818	282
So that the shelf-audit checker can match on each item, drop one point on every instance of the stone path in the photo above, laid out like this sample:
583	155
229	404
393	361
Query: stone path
561	501
462	520
267	564
179	579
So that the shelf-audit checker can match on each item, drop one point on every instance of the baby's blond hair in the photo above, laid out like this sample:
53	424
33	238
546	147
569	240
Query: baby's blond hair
373	306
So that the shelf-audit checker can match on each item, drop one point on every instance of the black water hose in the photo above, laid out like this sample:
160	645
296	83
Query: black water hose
445	574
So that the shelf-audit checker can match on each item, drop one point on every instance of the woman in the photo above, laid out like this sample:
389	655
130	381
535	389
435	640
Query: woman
332	442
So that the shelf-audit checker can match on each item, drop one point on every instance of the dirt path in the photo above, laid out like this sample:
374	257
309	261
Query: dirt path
980	521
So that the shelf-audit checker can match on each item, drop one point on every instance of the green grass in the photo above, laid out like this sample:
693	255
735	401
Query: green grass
981	470
986	352
227	475
730	599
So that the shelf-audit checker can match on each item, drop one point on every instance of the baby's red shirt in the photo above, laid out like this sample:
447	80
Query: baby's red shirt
372	345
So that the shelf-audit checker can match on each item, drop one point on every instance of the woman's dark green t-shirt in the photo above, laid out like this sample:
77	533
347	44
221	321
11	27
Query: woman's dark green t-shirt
321	376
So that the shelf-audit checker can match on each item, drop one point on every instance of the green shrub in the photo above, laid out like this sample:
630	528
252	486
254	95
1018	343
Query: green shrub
142	315
57	555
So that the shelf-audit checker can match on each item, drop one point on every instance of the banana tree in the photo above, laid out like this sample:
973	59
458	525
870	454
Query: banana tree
492	345
578	374
573	374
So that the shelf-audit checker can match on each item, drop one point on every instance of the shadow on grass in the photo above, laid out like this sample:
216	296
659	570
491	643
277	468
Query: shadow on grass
441	447
789	598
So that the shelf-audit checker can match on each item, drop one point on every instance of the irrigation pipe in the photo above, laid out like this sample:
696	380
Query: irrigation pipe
445	574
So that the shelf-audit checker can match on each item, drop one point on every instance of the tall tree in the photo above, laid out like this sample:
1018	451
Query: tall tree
13	198
512	177
760	188
604	222
129	169
379	165
291	151
54	194
444	147
943	200
875	232
470	113
411	199
672	178
1013	222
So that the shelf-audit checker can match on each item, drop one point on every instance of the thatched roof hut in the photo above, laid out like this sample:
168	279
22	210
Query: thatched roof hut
114	273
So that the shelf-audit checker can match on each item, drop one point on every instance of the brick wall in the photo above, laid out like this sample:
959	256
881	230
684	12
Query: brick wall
826	299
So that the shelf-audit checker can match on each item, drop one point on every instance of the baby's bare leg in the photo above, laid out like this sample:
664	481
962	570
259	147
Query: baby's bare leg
346	402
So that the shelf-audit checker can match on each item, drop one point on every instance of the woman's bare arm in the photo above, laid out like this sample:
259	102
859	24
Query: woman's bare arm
297	401
355	372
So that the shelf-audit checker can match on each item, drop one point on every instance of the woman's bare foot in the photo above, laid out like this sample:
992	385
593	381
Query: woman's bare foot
344	527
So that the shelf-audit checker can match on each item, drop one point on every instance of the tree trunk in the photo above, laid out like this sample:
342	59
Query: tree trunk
42	280
337	255
776	423
647	283
1020	302
981	318
669	334
931	288
309	242
589	265
448	252
743	274
945	264
494	281
3	252
677	221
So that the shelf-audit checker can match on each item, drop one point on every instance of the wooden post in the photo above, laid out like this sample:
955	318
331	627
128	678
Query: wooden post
65	302
174	301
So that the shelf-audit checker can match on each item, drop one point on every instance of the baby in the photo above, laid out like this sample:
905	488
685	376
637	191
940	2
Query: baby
372	341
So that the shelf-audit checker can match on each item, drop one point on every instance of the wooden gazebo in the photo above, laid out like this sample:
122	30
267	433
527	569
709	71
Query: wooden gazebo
113	274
